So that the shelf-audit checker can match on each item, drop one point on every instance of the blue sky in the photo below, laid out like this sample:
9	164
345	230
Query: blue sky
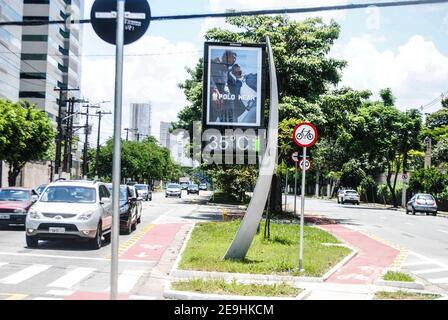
404	48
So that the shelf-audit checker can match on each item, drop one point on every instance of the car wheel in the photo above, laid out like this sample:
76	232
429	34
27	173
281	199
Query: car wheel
413	211
95	243
407	211
128	229
139	219
32	241
434	213
134	226
357	203
339	201
107	237
342	201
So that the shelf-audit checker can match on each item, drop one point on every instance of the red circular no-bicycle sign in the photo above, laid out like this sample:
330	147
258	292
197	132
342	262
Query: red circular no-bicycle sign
308	164
305	134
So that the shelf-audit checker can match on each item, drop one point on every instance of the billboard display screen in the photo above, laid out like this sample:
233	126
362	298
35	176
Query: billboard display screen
233	88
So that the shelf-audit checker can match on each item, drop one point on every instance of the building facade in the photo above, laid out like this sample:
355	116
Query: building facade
140	121
10	49
50	56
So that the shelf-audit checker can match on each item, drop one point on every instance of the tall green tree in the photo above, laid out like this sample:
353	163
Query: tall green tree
26	134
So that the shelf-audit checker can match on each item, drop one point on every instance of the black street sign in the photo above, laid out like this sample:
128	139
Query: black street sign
104	19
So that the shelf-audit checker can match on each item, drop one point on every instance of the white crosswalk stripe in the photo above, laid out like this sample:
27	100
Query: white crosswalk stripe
438	280
127	280
25	274
69	280
430	270
3	264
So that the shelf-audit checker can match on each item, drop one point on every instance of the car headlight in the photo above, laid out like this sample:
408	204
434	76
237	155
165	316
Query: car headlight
86	215
19	210
33	214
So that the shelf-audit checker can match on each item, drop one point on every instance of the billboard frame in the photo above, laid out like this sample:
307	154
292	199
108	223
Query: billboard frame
206	80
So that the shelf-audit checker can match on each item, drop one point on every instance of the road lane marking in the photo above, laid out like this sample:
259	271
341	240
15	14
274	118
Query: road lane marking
127	280
66	257
47	298
441	230
15	296
418	263
70	279
25	274
438	280
430	270
60	292
3	263
442	265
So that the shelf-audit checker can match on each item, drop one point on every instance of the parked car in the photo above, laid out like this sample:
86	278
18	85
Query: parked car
144	191
193	188
422	202
71	210
184	185
203	186
173	190
41	188
14	205
138	202
128	209
348	196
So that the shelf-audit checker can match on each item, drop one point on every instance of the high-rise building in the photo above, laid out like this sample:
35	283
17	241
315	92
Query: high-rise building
50	53
165	137
140	121
10	49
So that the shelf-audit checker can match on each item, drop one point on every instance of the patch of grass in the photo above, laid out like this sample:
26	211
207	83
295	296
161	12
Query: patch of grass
280	255
404	295
398	276
234	288
225	198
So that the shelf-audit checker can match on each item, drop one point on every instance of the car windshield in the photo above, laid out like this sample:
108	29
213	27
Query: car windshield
425	197
14	195
173	186
193	186
41	188
140	187
123	192
351	192
70	194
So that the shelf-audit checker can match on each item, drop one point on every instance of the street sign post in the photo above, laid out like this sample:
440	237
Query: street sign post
295	158
305	136
118	22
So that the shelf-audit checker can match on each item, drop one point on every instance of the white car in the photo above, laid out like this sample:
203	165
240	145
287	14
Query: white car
173	190
71	210
351	196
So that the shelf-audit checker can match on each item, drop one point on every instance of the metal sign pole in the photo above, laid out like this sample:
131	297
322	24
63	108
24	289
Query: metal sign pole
302	209
116	165
295	190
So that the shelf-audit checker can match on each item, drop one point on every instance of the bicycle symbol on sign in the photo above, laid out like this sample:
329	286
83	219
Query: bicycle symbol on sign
308	134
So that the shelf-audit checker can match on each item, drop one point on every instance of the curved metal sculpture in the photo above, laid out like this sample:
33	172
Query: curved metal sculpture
243	239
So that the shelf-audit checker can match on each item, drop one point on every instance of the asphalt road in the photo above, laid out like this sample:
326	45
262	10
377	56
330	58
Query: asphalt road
57	269
424	237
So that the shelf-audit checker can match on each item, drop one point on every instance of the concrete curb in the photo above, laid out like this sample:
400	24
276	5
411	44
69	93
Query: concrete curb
400	284
341	263
169	293
182	249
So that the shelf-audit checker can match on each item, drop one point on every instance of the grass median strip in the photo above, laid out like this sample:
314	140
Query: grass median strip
279	255
398	276
404	295
234	288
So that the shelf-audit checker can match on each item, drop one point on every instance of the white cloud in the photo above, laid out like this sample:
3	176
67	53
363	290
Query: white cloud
152	78
416	71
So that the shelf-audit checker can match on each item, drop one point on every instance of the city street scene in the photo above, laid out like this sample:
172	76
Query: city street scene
223	151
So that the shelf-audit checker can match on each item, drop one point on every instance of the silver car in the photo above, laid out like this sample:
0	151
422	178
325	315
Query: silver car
348	196
71	210
173	190
422	202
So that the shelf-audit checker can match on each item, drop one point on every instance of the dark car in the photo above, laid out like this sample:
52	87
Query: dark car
138	202
144	191
14	205
193	188
422	202
128	209
41	188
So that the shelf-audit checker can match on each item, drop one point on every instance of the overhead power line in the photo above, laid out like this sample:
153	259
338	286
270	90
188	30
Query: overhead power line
247	13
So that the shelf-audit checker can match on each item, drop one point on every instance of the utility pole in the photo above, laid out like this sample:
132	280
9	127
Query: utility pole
428	143
59	136
127	133
85	167
100	115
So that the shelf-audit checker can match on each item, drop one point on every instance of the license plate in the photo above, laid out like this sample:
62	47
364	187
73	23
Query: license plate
56	230
5	216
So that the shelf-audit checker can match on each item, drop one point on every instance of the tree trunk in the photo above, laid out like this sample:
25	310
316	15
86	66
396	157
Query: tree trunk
13	173
316	190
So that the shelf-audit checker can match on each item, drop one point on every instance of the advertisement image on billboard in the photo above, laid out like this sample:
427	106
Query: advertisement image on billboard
234	85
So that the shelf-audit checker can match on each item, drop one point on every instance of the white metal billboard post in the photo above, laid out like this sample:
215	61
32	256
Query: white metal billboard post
302	209
116	165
